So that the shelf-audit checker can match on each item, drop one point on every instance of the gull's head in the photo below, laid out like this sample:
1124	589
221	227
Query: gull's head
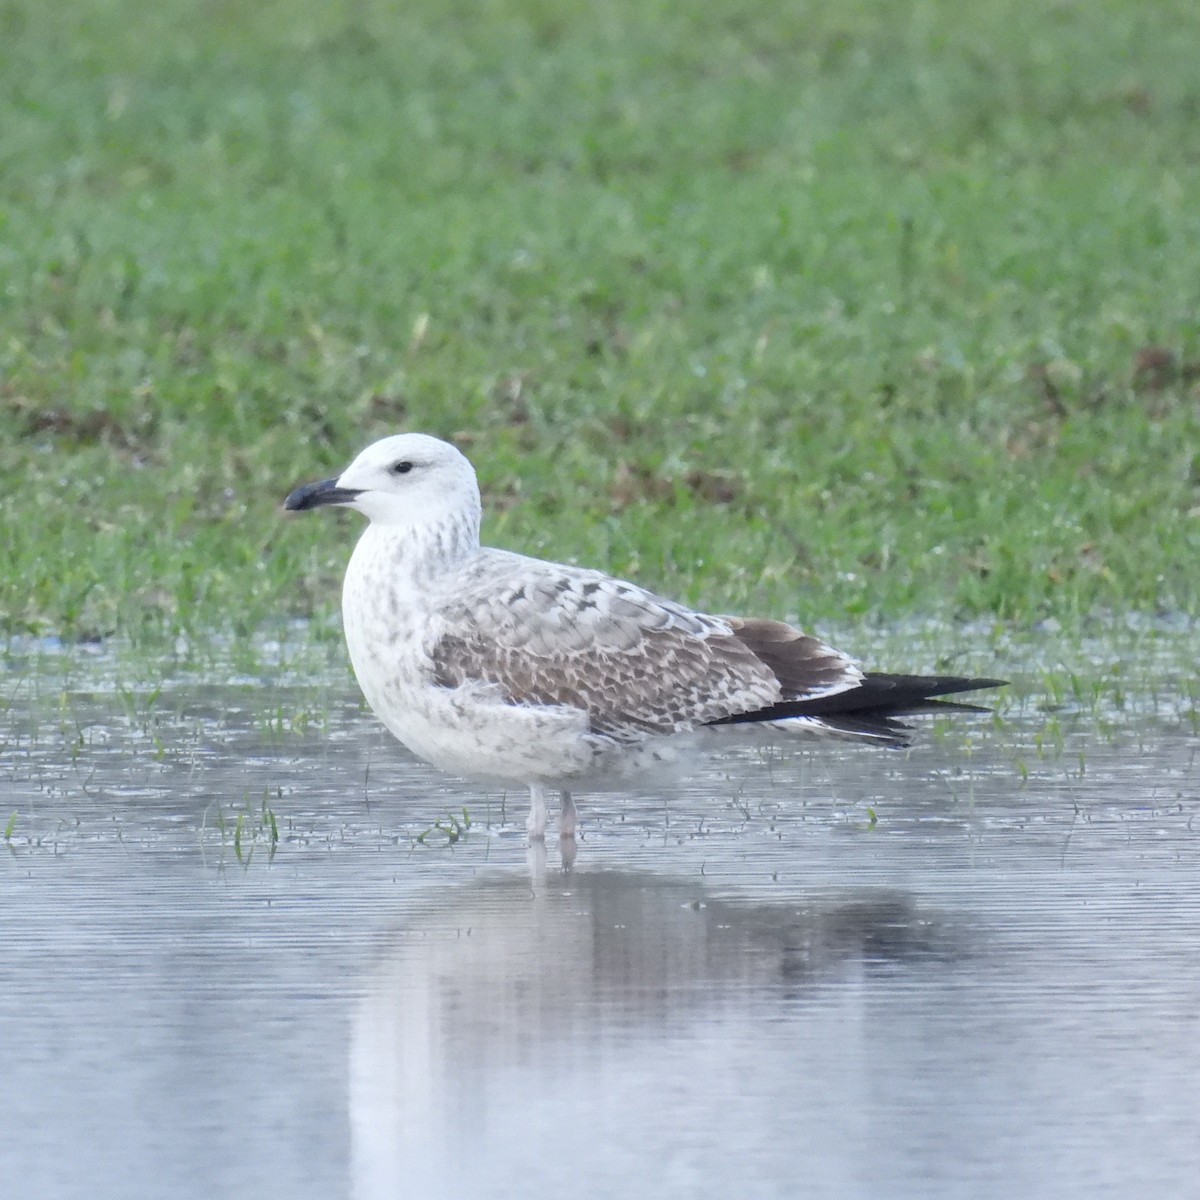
410	479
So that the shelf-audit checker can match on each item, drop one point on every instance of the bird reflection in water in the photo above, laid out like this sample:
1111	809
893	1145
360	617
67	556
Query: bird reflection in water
610	1018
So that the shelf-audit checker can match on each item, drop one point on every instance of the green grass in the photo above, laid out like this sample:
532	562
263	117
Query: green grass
837	311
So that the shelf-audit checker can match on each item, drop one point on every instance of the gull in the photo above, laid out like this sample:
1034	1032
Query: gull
496	666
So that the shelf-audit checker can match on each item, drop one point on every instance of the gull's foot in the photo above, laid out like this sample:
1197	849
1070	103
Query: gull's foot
535	860
568	819
535	824
568	848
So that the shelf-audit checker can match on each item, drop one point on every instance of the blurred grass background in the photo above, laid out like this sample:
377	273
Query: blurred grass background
838	312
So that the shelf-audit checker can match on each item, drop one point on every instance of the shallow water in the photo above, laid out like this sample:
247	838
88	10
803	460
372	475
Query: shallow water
968	969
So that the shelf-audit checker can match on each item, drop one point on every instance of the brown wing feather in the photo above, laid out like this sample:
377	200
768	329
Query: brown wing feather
635	662
673	681
803	664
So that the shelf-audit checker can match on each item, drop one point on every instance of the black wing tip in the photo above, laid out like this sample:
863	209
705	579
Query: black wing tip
928	685
871	708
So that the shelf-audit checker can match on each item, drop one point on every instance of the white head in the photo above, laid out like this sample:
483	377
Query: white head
410	480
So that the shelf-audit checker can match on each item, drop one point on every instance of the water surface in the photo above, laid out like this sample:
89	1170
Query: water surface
231	969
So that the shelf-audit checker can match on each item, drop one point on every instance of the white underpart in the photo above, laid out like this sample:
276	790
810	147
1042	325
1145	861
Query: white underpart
419	576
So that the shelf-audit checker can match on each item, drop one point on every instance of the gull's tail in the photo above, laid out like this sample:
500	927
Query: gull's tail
872	709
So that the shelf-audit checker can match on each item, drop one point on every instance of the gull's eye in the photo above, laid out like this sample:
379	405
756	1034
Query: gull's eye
402	468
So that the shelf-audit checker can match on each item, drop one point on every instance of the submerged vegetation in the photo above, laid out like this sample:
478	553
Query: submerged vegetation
841	312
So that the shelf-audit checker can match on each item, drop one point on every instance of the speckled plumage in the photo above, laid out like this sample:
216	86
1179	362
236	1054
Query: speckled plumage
494	665
637	664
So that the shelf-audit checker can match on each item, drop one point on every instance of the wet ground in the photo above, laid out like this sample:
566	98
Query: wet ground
231	967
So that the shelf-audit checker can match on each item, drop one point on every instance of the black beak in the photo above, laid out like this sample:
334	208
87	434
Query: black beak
314	495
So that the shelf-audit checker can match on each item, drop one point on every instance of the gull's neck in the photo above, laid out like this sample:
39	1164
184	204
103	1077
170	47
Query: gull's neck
428	545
